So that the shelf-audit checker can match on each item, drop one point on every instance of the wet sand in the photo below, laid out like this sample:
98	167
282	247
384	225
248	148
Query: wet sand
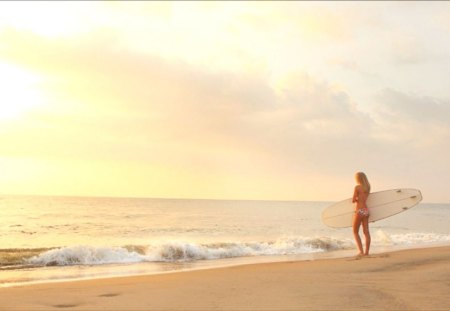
416	279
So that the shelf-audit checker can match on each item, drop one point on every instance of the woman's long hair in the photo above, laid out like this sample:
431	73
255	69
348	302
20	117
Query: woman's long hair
361	178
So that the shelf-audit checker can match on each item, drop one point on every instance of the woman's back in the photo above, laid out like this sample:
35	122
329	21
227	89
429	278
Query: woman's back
360	197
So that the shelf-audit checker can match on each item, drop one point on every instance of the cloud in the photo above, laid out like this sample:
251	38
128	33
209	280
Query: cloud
237	131
133	107
412	106
412	133
421	121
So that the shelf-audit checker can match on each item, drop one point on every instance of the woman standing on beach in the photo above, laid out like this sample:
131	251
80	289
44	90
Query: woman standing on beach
360	195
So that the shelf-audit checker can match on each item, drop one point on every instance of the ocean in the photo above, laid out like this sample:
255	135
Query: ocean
50	238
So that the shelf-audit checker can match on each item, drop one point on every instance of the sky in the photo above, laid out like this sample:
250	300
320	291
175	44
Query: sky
224	100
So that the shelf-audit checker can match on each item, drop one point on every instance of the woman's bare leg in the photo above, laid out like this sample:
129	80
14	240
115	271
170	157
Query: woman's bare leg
356	225
365	223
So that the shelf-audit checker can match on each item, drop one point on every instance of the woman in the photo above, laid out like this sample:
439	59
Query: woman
360	195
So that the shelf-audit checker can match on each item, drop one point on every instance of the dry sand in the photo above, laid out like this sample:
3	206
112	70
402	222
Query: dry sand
406	280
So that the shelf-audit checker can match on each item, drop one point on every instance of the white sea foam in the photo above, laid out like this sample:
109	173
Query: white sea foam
180	251
175	251
413	238
85	255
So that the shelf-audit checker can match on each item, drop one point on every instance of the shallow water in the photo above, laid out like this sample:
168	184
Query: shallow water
54	238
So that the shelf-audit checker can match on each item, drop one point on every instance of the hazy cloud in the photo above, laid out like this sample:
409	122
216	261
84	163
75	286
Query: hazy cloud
139	108
161	98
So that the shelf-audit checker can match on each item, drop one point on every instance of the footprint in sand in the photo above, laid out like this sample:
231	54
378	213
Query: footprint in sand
358	257
109	295
65	305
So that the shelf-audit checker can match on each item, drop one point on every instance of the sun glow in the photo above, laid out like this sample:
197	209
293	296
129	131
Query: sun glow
49	19
19	92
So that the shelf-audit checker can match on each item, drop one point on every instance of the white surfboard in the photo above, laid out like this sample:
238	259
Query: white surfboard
381	205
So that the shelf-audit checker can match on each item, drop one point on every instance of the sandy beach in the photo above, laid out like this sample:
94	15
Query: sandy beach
416	279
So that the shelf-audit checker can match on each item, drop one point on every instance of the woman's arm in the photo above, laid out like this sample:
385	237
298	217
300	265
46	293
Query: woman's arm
355	195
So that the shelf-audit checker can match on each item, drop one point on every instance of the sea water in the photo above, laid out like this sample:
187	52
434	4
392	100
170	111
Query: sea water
45	239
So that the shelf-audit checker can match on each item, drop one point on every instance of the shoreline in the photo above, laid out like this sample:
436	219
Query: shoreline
73	273
412	279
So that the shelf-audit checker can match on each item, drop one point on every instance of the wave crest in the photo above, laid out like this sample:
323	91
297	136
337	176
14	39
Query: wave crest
85	255
178	251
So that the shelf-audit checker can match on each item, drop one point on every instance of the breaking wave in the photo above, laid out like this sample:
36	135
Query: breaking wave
181	251
178	251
